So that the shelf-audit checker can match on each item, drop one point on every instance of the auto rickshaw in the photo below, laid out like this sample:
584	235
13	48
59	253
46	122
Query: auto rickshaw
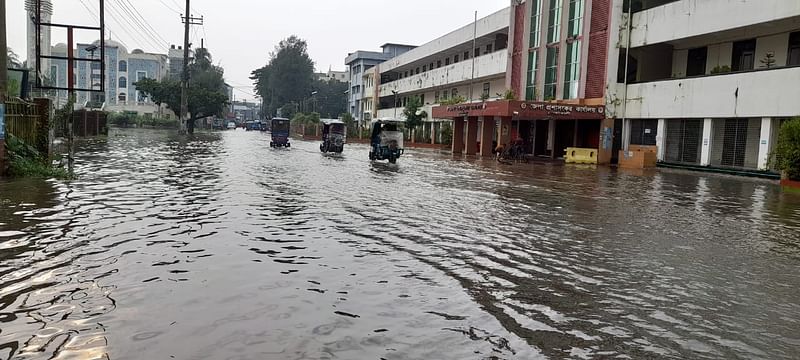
280	133
387	139
334	135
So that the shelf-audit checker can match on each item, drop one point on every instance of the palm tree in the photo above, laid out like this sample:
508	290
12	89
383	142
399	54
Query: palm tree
13	59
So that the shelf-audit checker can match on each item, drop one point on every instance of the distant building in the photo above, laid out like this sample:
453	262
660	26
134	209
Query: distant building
341	76
245	111
122	71
175	55
47	14
360	61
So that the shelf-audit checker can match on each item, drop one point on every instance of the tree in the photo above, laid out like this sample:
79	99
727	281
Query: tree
330	98
13	59
207	96
288	76
768	60
786	155
413	113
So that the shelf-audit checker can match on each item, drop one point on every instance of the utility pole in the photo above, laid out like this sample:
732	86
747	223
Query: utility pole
188	20
3	87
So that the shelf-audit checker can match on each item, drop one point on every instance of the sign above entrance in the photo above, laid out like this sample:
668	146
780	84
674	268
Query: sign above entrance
522	110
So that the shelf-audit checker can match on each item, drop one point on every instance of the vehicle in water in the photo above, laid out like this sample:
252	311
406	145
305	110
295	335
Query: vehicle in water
217	124
280	132
334	136
264	125
386	139
252	125
231	125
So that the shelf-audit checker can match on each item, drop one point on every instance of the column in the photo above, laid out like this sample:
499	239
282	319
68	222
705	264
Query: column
626	134
472	135
504	133
605	152
487	135
765	143
433	133
551	135
458	136
661	134
705	153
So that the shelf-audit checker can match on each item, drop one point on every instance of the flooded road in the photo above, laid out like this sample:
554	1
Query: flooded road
222	248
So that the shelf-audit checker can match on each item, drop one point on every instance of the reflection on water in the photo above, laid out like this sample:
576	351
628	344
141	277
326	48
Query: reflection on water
220	247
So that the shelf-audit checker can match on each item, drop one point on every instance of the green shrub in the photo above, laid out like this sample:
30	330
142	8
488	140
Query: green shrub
447	133
25	161
786	155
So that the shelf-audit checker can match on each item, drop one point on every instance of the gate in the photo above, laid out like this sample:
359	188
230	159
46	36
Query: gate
736	143
683	141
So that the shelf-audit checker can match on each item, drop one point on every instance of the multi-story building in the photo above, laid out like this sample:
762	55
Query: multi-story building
357	63
122	71
468	63
708	82
47	14
175	55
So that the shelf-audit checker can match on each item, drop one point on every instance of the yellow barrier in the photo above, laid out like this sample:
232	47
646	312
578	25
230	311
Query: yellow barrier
581	156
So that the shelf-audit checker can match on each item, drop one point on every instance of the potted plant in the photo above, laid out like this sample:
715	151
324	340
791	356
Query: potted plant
786	156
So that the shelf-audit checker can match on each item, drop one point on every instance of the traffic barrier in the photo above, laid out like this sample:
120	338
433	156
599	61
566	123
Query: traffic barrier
581	156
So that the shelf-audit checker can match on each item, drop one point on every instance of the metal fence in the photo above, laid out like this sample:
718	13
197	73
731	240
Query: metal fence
28	121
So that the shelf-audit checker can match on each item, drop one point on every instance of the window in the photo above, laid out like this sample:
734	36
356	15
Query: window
466	55
446	61
644	131
486	88
444	95
477	52
95	65
489	48
554	22
424	68
454	93
405	74
122	97
422	99
417	71
455	59
551	74
123	82
536	23
696	63
436	97
123	66
794	49
575	18
438	63
141	75
744	55
533	72
572	73
54	74
431	67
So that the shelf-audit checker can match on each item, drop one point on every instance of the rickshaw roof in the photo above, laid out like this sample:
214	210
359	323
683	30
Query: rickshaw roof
280	119
389	121
331	121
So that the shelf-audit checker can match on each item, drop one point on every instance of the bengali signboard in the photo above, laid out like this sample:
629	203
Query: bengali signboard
522	110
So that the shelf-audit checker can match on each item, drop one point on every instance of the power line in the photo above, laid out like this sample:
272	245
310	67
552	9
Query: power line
136	25
169	8
147	23
94	13
123	27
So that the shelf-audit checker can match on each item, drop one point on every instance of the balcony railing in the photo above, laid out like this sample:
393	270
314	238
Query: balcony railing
487	65
762	93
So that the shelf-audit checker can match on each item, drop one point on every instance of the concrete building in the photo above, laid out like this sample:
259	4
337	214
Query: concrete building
341	76
358	62
175	59
47	14
709	81
442	69
123	69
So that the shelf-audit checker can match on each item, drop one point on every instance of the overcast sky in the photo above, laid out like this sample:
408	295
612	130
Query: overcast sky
241	33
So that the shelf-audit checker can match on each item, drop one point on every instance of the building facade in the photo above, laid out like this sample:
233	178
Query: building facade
708	82
359	62
341	76
47	15
122	71
469	63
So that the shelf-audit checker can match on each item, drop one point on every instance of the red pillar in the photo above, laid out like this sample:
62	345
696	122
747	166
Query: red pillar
458	135
487	135
472	135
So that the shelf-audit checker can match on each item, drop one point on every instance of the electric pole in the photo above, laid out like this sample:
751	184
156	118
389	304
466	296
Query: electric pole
188	20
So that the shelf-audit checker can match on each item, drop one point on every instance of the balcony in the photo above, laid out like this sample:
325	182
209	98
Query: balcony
488	65
762	93
688	18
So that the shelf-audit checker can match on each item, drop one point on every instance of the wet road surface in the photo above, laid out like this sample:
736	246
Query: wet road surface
222	248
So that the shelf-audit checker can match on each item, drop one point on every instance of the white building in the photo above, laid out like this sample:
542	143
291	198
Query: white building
341	76
47	14
709	81
359	62
442	69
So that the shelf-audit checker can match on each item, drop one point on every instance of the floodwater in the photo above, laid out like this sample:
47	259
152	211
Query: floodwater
222	248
